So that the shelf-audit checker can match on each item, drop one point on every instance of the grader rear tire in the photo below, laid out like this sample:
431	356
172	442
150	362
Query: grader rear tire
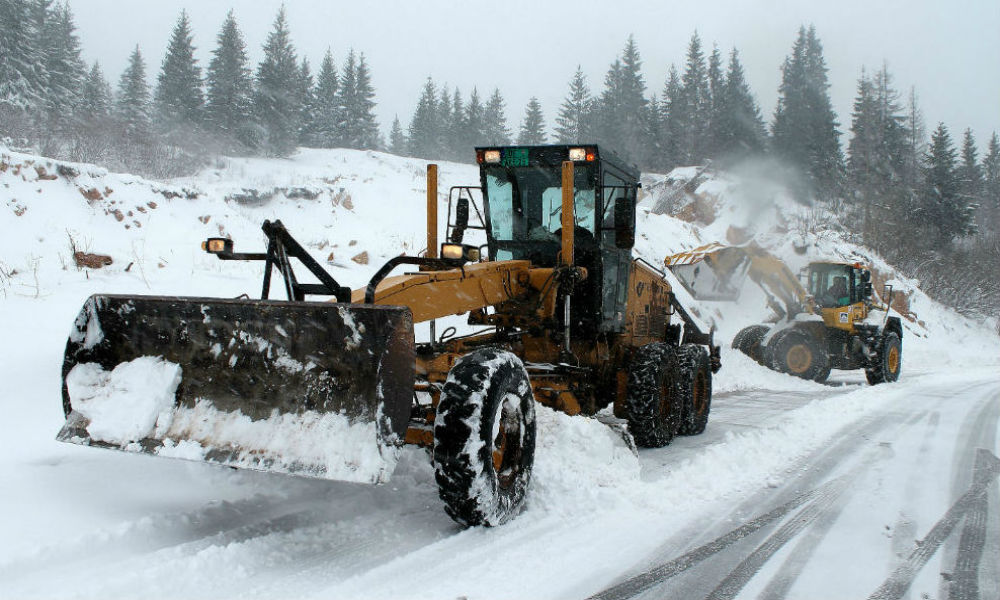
694	387
654	411
486	408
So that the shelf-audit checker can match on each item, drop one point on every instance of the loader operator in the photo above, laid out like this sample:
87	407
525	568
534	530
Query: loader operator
837	294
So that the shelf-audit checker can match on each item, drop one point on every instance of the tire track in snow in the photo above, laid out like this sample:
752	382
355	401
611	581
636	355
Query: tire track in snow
816	466
965	575
816	501
986	470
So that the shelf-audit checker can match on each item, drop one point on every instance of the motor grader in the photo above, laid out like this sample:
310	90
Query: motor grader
560	313
831	322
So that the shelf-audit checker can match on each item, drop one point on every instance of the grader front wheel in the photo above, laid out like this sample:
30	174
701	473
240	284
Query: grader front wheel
484	438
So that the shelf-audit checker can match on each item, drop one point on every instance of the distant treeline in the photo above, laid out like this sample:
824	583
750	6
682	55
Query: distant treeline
925	204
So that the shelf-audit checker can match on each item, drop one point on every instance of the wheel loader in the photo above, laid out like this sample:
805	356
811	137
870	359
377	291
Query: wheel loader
831	322
560	314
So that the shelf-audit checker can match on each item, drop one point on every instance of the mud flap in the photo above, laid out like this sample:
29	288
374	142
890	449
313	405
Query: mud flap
310	388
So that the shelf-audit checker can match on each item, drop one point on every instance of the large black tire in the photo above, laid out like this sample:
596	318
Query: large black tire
694	387
800	354
748	341
484	438
654	412
888	361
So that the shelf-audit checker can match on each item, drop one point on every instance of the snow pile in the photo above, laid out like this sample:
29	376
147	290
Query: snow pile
126	404
326	445
579	462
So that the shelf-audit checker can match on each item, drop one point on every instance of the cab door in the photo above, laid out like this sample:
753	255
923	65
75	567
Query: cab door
617	262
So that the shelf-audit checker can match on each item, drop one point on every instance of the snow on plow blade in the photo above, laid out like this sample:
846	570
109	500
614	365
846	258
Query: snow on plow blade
310	388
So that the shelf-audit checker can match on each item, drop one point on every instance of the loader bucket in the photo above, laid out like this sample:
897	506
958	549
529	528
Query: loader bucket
712	272
309	388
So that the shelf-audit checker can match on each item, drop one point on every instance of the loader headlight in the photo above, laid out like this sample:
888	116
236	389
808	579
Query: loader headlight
460	252
217	246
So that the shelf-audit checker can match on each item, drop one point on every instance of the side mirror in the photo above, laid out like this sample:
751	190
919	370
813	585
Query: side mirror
866	289
624	222
461	221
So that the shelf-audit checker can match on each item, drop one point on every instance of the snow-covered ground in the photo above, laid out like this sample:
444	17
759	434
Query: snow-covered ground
81	522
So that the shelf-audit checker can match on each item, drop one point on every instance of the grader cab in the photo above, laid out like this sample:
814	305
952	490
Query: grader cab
566	317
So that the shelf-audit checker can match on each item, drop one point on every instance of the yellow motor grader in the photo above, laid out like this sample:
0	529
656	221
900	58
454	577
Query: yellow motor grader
833	322
566	316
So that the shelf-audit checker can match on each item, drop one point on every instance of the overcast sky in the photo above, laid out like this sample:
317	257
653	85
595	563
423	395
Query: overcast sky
949	50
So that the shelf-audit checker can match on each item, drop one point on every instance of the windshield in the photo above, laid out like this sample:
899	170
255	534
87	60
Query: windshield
830	285
524	209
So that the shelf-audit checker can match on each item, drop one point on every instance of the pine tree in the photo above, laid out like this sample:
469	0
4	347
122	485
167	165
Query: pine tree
424	127
805	127
533	127
474	123
622	107
21	88
326	105
740	131
942	208
63	67
672	113
970	174
990	208
229	104
444	117
696	109
179	101
306	103
96	99
132	109
573	123
716	104
495	121
362	127
875	164
275	96
456	130
348	85
397	139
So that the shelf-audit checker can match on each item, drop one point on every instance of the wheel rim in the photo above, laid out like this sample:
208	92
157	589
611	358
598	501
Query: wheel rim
893	359
799	358
507	444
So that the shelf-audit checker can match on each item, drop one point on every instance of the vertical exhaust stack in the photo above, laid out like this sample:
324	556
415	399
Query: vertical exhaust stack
568	259
432	215
568	218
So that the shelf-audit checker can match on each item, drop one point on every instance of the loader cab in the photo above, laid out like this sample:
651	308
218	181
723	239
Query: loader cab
522	193
835	285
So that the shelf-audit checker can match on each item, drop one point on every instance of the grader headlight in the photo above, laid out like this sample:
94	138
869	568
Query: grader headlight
460	252
217	246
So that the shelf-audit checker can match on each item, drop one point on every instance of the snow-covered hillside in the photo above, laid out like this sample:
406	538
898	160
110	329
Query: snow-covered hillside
112	525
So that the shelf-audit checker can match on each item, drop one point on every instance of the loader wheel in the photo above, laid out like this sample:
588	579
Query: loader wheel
652	399
484	438
748	341
888	361
695	388
799	354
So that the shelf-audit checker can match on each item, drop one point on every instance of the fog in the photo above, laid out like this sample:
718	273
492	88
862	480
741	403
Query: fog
950	52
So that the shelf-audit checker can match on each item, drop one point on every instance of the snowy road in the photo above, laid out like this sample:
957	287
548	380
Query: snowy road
788	494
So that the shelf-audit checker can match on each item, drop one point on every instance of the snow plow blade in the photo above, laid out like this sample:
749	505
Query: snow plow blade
309	388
